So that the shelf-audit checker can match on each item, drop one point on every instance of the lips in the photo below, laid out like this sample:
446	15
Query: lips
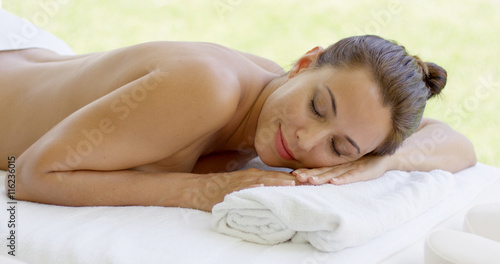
281	146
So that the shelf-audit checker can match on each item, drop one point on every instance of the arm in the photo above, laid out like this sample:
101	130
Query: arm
433	146
129	187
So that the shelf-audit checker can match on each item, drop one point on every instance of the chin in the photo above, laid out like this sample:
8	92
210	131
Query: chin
266	158
270	163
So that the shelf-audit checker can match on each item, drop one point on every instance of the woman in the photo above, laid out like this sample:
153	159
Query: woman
161	123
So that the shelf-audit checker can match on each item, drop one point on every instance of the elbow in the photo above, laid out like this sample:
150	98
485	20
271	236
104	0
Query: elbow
21	187
24	183
466	152
471	158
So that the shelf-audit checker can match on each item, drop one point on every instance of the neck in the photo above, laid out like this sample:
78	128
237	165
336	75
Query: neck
244	135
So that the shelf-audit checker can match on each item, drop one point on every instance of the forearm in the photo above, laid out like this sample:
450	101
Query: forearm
115	188
434	146
129	187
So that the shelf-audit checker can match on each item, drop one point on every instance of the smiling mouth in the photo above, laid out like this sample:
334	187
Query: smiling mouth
281	146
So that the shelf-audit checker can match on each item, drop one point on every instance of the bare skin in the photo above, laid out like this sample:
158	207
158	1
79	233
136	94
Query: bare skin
170	124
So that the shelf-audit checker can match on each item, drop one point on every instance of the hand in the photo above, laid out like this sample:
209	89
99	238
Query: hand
212	188
364	169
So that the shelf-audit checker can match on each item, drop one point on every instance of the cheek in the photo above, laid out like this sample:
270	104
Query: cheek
264	137
296	114
284	111
289	104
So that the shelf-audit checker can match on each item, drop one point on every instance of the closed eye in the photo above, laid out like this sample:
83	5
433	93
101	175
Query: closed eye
313	108
334	149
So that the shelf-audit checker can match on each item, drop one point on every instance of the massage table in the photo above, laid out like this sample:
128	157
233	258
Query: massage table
57	234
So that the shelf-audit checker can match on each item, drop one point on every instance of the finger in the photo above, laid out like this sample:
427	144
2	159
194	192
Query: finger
349	177
303	175
327	176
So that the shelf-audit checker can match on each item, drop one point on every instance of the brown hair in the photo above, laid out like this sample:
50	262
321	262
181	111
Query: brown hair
405	81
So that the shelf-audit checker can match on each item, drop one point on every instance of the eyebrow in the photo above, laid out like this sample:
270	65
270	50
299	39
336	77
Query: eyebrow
333	100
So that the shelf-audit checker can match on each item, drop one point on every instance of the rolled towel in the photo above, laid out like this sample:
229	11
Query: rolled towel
330	217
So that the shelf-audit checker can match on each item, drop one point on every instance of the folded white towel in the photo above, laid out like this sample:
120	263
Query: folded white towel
330	217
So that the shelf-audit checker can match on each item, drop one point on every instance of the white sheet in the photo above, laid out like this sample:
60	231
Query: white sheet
17	33
55	234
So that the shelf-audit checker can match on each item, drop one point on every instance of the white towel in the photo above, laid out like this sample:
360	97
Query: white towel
330	217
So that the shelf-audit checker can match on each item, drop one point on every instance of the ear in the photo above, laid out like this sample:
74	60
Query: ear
307	60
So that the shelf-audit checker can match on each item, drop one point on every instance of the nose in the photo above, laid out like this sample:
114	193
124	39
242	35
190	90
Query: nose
309	137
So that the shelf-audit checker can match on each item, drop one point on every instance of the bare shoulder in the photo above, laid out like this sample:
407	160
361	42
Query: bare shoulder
429	121
265	64
198	77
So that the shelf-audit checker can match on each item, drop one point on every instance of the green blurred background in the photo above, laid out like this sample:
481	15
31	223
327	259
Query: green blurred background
461	36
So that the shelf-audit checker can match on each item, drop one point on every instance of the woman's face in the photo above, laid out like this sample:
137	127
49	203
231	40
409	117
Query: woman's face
322	117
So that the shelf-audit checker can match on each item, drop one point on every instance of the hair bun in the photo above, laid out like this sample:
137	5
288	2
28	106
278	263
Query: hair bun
434	76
